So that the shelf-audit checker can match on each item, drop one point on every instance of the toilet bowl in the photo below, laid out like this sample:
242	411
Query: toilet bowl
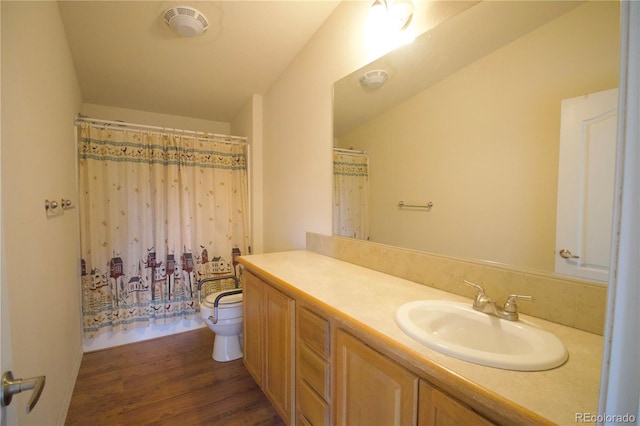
225	321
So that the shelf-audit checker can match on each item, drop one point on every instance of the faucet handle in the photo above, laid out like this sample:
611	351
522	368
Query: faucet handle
481	298
476	286
510	305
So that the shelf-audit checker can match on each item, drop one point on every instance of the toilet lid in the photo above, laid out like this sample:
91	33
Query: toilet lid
226	301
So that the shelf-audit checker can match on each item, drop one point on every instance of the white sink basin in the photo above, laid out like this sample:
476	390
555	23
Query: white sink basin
456	329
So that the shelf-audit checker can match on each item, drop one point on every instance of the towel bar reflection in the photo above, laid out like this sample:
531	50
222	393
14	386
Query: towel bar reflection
402	205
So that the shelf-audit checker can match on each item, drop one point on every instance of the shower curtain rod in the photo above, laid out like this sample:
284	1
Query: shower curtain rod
240	140
349	151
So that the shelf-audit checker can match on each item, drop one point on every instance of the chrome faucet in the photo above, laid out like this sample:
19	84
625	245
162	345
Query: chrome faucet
483	303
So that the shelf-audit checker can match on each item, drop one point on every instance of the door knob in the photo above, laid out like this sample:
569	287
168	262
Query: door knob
11	387
566	254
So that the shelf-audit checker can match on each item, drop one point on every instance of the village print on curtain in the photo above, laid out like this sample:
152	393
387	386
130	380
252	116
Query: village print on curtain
158	212
351	194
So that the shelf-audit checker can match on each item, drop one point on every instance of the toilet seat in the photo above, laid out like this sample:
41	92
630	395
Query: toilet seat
231	301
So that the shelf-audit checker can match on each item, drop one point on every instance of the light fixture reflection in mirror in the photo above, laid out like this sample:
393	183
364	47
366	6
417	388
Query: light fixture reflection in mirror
374	79
388	26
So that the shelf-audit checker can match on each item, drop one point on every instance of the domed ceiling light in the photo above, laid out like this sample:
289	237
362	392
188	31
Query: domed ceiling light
374	79
388	26
394	14
186	21
400	14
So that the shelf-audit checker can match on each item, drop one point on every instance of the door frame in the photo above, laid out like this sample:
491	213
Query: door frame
619	391
9	414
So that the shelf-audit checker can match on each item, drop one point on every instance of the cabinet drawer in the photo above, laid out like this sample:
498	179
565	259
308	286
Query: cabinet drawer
314	331
311	407
314	370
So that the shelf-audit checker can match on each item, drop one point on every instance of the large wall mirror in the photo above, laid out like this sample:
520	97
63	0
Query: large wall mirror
469	123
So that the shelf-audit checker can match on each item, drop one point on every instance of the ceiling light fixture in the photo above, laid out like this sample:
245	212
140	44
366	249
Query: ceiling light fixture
388	26
186	21
400	14
395	14
374	79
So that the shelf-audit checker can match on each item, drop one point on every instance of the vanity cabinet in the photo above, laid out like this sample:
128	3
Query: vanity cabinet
315	371
268	342
372	389
313	365
435	408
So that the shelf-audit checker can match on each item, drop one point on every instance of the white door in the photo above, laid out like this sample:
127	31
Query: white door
585	185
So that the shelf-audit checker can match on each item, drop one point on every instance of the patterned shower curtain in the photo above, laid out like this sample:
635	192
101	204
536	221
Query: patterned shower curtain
351	195
158	212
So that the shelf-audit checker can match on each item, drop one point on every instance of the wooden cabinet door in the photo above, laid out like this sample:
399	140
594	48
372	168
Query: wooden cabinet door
279	350
438	409
253	326
371	389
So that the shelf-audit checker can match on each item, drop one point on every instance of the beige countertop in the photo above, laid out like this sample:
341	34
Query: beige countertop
371	298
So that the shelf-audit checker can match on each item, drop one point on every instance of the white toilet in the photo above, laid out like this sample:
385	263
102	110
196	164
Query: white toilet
227	344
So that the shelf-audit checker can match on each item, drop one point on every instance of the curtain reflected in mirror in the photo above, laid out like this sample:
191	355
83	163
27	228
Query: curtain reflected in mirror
351	193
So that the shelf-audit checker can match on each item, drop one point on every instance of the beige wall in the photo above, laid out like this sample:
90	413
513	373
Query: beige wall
40	98
298	122
482	145
248	122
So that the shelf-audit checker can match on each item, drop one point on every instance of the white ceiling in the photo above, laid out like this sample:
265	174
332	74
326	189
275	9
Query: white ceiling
126	56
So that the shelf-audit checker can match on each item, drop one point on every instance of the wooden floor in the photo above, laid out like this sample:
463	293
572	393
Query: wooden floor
167	381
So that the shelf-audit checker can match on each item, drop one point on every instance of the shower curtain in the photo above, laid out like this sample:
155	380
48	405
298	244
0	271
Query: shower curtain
158	212
351	194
